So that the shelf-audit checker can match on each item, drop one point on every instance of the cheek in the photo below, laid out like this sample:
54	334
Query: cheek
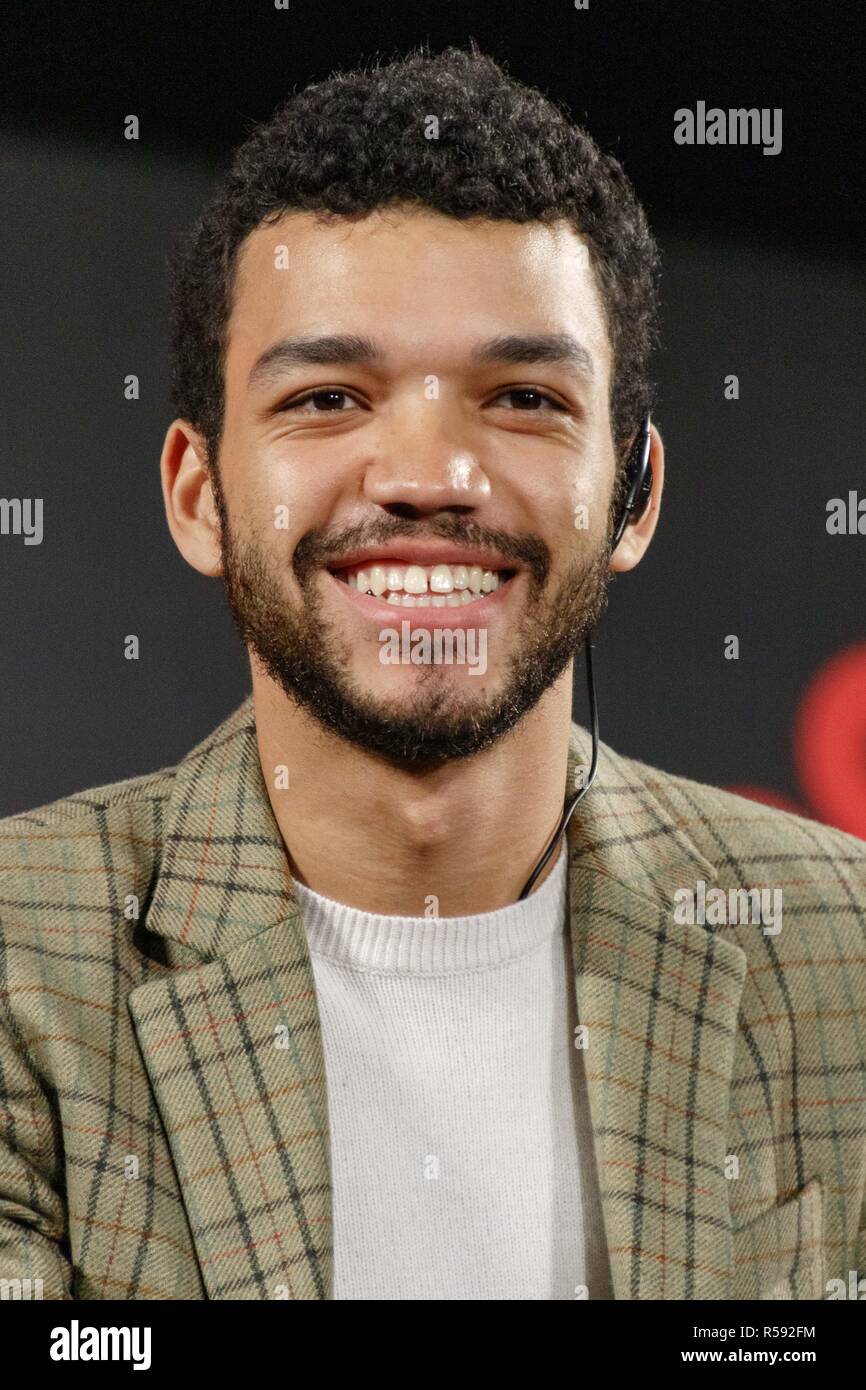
569	509
560	480
588	500
270	504
313	486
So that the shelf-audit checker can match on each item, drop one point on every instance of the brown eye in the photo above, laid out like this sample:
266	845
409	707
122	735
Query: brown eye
530	399
327	401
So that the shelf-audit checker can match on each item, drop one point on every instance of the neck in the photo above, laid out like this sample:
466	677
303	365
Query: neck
448	842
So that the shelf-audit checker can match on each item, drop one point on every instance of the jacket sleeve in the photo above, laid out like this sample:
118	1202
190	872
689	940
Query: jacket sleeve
34	1252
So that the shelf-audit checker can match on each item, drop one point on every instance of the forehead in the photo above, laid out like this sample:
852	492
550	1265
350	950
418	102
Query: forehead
416	280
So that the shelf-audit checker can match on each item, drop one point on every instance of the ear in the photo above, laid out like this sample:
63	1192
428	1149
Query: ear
638	534
187	491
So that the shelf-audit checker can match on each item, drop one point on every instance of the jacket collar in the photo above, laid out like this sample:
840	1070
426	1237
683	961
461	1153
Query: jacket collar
223	876
246	1118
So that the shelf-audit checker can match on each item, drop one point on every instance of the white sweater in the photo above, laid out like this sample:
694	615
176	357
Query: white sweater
461	1152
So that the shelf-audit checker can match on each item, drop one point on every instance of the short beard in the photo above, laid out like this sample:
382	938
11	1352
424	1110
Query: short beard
311	663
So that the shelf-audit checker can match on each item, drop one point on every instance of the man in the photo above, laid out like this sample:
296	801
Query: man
279	1022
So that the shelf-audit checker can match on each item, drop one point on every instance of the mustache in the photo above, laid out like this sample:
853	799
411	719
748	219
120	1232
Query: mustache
321	548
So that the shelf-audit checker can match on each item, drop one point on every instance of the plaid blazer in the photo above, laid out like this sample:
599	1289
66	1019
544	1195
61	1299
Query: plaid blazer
156	1142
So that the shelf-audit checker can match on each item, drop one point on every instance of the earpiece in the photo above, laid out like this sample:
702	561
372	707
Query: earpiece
639	482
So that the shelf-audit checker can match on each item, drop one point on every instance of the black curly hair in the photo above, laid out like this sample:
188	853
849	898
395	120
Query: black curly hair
356	142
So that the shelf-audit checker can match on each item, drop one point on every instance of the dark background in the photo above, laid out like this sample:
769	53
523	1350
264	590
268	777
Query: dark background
763	276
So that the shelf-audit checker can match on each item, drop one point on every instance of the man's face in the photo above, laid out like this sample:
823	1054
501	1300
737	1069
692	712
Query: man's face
421	470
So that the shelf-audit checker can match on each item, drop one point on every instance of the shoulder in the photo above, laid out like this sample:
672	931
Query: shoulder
71	866
73	819
813	876
739	835
106	824
67	868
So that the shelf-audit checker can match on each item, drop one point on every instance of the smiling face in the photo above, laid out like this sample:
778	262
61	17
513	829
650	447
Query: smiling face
416	430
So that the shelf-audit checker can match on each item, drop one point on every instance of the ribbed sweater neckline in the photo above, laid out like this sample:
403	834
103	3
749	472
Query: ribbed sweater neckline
434	945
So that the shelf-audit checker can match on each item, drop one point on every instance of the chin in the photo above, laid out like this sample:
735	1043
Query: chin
412	695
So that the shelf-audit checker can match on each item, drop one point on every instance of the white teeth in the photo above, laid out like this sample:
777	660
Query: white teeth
417	586
415	580
441	580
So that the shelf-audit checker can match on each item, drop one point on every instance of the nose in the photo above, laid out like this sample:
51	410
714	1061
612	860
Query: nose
424	465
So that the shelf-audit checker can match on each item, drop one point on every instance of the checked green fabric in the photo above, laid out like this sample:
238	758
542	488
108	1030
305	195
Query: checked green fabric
163	1103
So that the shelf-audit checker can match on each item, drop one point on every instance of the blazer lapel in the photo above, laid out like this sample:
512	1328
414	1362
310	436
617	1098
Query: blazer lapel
232	1044
659	1000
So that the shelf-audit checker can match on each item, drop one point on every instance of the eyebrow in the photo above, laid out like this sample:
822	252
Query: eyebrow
340	349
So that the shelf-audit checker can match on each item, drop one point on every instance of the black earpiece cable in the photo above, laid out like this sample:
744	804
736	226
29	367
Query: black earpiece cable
637	498
593	768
